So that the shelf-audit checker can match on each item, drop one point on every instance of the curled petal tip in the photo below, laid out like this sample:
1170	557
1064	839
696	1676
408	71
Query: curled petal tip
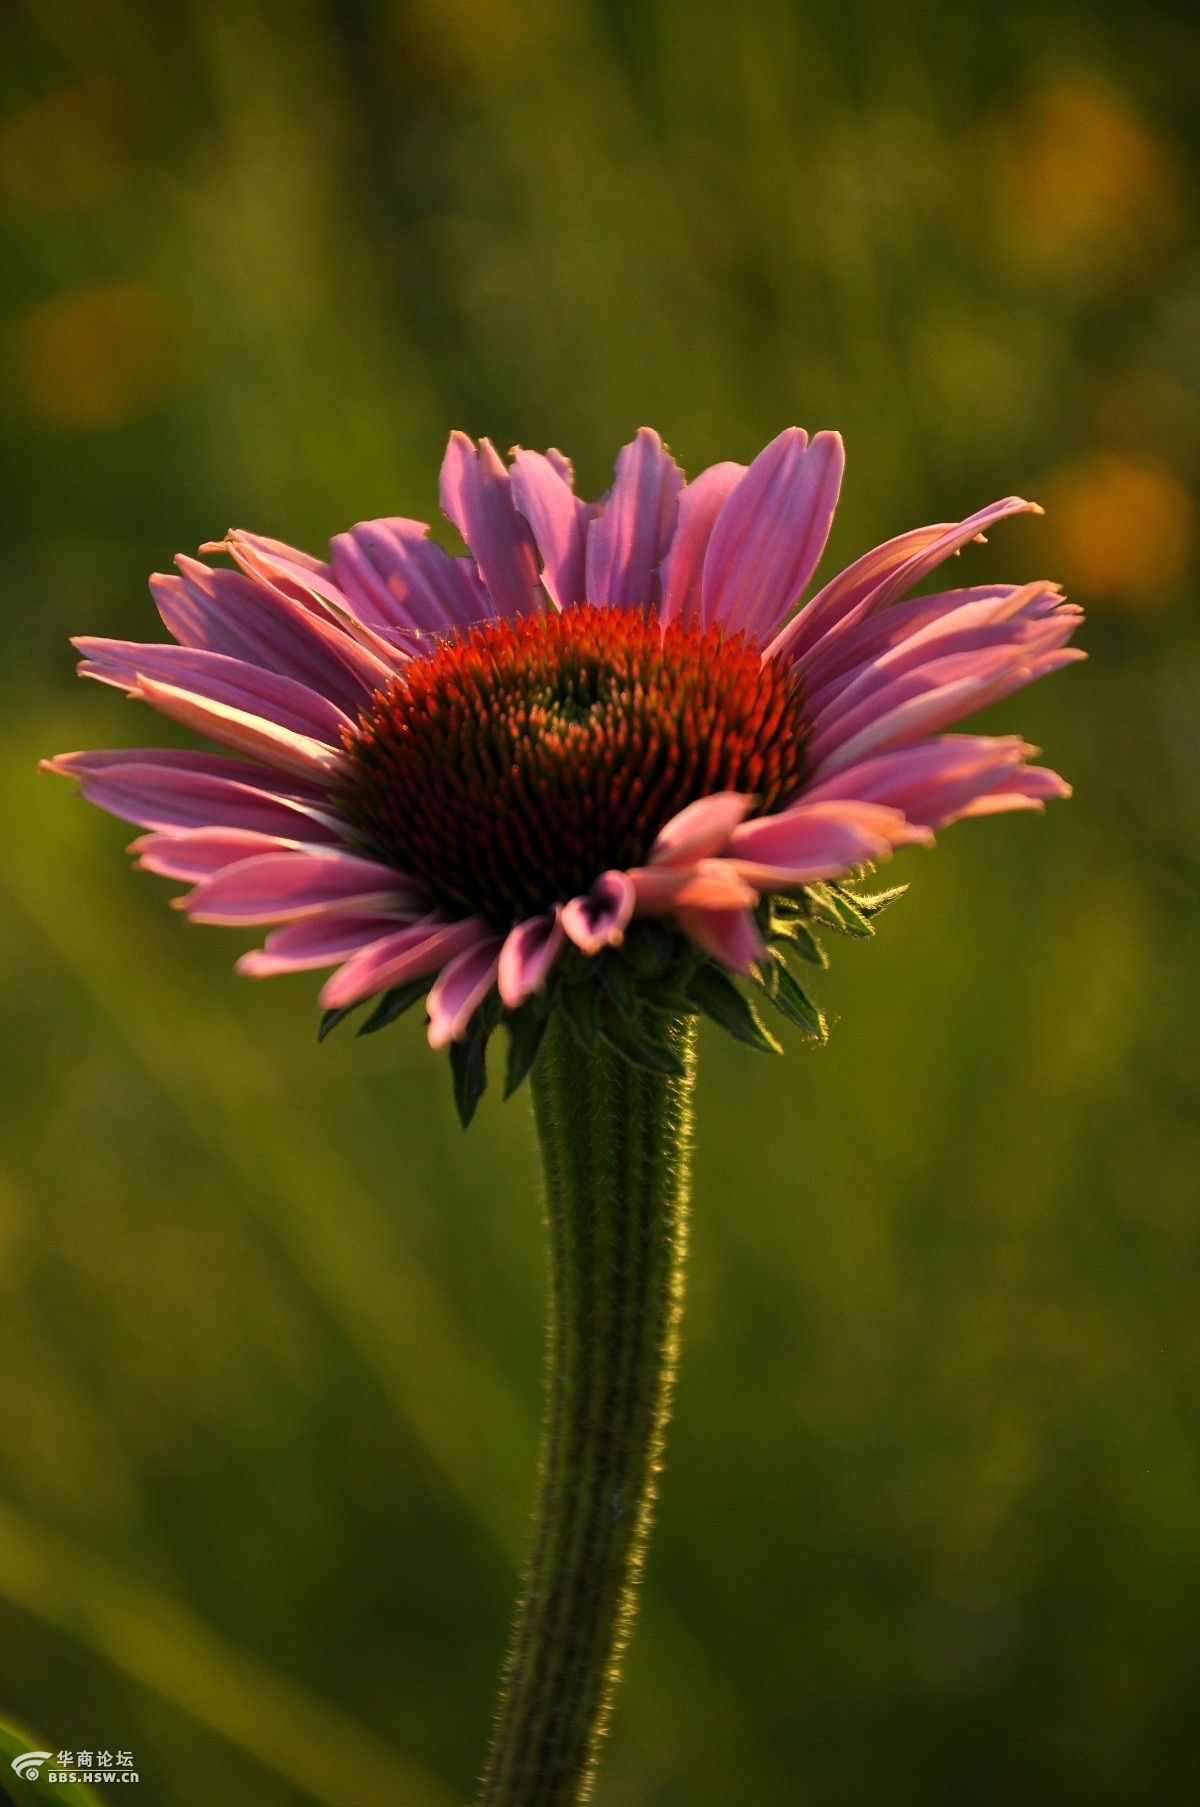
599	918
527	956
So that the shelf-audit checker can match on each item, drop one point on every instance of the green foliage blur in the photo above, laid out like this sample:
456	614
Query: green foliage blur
270	1324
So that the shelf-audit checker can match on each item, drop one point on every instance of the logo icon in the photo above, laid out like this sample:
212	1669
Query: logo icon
31	1762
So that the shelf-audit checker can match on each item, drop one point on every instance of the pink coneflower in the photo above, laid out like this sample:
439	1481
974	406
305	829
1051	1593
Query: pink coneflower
578	781
607	728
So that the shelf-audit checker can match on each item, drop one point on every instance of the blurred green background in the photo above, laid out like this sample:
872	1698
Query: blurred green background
270	1325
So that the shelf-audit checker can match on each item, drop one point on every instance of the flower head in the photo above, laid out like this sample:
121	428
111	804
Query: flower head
601	762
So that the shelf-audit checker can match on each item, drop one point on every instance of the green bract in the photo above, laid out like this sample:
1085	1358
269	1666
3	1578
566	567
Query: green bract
624	996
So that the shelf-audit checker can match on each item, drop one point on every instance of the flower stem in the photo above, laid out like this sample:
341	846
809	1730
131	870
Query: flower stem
614	1141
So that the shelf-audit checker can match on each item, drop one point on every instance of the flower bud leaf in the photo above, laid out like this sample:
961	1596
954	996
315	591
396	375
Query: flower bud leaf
837	911
394	1003
853	919
871	904
666	994
649	948
719	998
790	999
795	930
618	982
331	1018
526	1028
582	1006
820	907
642	1050
468	1068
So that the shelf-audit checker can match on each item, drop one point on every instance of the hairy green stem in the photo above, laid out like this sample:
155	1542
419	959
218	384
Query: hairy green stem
614	1144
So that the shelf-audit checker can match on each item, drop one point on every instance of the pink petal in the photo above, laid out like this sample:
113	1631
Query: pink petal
166	788
700	502
311	584
812	841
228	612
189	760
1028	788
246	733
936	782
731	936
601	918
923	702
528	955
305	579
281	887
397	577
1048	662
1040	781
880	692
953	648
477	496
933	781
700	828
220	679
918	567
769	536
545	495
870	638
850	651
408	954
627	543
323	940
708	885
843	596
196	856
460	989
883	575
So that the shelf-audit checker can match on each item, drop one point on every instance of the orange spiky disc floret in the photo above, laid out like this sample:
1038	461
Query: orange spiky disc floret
511	767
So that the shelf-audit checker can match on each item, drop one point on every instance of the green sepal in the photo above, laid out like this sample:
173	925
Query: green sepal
852	917
331	1018
642	1050
618	982
820	907
791	1000
526	1027
836	911
873	902
666	994
649	947
394	1003
795	930
719	998
468	1067
582	1006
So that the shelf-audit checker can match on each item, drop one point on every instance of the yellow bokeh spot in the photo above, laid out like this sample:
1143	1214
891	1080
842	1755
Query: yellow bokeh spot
96	358
1124	532
64	150
1086	185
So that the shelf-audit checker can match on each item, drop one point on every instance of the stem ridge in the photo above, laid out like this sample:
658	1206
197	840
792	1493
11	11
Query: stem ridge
615	1145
